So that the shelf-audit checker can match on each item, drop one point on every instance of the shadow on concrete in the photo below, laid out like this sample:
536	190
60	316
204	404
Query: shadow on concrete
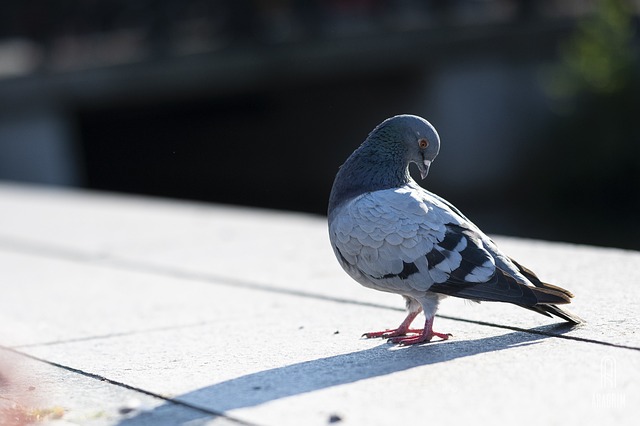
309	376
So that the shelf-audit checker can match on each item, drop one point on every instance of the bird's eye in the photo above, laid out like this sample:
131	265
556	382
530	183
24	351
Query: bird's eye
423	143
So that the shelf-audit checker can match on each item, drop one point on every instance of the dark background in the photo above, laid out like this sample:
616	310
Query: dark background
257	103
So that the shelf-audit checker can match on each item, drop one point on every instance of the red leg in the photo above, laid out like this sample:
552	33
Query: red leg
425	335
402	329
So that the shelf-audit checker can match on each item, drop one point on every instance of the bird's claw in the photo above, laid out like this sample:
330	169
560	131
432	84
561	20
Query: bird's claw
390	333
420	338
443	336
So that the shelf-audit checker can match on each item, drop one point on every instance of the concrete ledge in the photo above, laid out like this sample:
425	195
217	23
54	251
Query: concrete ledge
158	312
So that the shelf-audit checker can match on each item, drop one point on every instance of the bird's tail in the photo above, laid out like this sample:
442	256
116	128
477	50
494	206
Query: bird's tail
548	296
551	310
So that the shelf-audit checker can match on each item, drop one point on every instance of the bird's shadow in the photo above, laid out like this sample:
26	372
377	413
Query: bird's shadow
309	376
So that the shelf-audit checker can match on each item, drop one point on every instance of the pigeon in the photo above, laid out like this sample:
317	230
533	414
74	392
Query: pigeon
390	234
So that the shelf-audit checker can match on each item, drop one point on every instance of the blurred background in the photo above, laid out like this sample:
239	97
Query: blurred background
258	102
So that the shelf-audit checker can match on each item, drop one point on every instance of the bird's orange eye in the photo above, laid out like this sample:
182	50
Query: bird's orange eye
423	143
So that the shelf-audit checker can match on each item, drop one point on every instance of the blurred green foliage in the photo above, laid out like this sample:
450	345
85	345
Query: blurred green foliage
587	162
599	57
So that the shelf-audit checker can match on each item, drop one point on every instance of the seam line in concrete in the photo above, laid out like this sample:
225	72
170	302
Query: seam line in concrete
566	326
126	386
125	264
109	335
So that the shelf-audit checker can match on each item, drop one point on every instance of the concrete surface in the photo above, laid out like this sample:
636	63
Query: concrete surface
132	311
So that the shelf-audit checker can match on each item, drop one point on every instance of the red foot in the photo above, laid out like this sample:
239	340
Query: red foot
402	329
399	335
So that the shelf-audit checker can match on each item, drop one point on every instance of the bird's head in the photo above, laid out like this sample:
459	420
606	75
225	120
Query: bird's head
411	137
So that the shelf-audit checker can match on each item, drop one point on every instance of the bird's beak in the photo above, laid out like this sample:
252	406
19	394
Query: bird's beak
424	168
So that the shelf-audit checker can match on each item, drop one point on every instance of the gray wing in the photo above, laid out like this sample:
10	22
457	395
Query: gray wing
501	286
